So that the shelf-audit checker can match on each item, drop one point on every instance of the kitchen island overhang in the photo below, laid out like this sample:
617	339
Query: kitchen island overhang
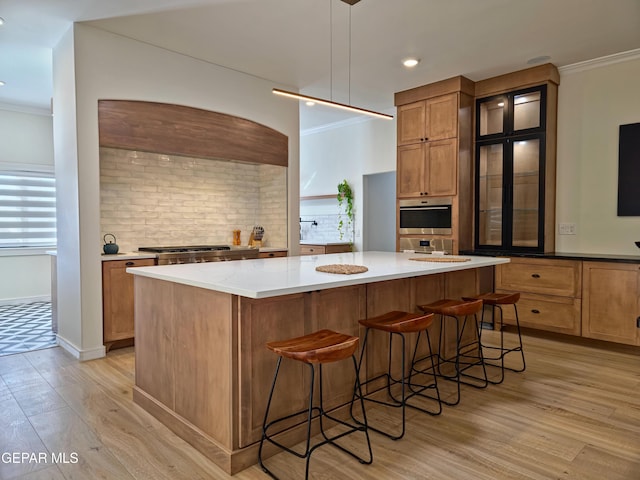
202	367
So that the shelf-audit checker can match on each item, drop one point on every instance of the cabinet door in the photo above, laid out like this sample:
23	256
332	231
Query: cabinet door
441	168
427	169
411	170
411	123
441	117
510	194
117	298
428	120
611	302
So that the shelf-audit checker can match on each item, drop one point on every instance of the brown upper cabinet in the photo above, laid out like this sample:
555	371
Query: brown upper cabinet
427	158
428	120
427	168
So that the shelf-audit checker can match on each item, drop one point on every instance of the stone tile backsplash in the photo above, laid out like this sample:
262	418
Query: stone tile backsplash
150	199
326	230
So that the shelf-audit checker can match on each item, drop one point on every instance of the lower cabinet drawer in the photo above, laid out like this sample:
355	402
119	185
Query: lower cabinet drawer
541	276
546	312
312	250
279	253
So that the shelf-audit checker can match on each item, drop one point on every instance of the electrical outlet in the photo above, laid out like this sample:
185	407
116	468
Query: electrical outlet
566	228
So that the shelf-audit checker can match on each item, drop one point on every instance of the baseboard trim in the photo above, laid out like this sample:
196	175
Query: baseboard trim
20	301
82	355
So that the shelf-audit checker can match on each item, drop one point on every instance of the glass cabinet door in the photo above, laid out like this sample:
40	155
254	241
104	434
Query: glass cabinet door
527	111
525	199
491	116
509	192
513	113
490	194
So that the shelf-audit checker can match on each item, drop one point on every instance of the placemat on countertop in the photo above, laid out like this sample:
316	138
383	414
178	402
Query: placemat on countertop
341	268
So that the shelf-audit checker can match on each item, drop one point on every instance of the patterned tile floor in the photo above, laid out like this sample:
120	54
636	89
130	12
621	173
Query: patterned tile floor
25	327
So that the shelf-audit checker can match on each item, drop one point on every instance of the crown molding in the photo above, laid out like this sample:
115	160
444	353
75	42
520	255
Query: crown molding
9	107
600	62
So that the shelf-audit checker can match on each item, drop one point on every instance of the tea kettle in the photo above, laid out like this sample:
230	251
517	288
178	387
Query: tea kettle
110	248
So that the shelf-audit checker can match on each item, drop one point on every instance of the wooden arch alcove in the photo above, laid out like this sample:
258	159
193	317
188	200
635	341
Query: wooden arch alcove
187	131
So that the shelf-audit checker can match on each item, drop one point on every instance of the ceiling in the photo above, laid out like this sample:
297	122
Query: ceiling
325	48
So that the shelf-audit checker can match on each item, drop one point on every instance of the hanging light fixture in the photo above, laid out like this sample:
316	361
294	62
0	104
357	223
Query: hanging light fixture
331	103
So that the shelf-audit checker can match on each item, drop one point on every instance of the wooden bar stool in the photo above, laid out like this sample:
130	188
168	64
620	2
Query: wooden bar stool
317	348
497	300
464	356
400	323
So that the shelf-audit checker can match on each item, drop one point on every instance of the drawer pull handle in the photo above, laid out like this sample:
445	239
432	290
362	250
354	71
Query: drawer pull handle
129	264
536	311
535	275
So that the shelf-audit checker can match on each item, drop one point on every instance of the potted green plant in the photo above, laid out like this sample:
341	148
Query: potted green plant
345	206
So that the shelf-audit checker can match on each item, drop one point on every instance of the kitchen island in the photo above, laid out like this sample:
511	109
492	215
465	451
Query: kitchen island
200	331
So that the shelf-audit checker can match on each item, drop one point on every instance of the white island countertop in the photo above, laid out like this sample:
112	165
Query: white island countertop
263	278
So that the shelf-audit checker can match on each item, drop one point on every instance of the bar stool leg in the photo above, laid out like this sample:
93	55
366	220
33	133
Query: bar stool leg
460	365
504	351
405	384
320	413
442	359
432	369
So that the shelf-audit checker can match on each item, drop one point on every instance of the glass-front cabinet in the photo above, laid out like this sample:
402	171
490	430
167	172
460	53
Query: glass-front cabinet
510	158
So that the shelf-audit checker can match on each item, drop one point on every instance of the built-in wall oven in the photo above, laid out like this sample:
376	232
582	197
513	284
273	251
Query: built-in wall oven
425	216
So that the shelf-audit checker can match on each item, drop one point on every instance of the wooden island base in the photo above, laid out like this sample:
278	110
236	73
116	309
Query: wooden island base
203	370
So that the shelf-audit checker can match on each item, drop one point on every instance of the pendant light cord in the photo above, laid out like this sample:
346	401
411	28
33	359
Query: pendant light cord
349	76
331	49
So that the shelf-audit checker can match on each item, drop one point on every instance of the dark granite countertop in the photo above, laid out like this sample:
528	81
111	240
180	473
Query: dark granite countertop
589	257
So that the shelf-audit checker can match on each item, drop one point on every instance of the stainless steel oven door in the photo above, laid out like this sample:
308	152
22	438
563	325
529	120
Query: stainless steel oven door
425	216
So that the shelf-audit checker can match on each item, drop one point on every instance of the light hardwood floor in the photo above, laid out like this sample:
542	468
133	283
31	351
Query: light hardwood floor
574	414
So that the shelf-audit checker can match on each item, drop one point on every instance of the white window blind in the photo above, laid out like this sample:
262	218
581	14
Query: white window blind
27	209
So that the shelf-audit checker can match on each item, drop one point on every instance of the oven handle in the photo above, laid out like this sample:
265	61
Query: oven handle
426	207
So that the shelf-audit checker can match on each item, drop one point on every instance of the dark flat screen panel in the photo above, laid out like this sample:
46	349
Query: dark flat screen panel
629	171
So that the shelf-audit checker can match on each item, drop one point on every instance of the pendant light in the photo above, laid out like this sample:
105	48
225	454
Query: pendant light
331	103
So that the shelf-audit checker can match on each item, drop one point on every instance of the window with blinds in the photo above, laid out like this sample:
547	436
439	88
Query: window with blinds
27	209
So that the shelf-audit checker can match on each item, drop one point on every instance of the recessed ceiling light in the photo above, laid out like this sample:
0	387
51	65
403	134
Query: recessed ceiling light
1	83
310	104
410	62
1	21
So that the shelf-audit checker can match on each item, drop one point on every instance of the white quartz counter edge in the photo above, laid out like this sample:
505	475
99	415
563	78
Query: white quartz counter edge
263	278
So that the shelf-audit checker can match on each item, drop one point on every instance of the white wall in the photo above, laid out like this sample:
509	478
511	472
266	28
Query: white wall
26	142
107	66
346	151
594	99
26	138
